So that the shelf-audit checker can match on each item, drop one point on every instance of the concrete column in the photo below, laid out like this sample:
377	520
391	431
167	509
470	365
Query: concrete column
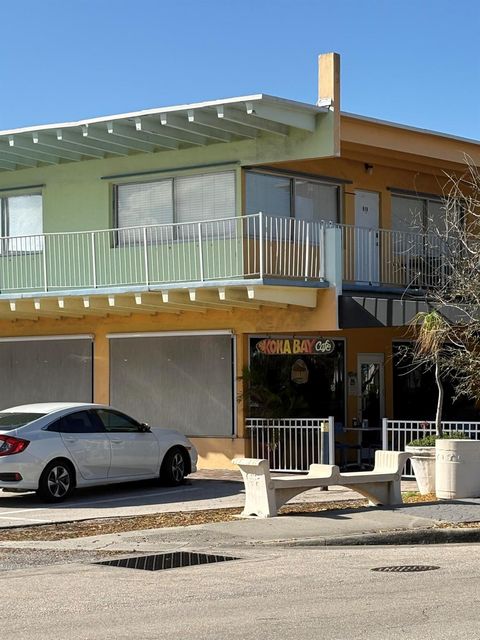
101	368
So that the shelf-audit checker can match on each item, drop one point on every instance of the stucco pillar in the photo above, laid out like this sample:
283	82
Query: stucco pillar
101	368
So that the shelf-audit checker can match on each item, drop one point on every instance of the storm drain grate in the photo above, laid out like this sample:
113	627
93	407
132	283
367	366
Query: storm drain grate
161	561
407	568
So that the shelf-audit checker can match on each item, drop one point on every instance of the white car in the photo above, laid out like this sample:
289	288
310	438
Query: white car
51	448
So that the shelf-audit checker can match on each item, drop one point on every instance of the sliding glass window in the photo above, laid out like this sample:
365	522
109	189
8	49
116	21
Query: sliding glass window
291	197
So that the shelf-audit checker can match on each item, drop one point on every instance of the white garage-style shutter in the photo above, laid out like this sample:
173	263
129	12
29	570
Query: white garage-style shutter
45	370
182	382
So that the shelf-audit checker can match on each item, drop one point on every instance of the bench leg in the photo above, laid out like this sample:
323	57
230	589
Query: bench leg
259	493
388	493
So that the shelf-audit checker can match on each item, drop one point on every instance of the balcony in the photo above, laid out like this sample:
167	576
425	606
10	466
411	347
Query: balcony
186	263
394	259
207	261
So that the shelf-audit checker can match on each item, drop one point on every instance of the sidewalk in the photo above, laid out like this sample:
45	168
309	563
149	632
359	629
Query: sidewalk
419	523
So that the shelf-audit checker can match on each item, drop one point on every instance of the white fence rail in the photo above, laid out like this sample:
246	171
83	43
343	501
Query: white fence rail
396	434
394	258
230	248
292	444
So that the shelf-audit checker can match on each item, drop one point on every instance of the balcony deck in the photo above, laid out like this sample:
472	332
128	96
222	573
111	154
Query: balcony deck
211	263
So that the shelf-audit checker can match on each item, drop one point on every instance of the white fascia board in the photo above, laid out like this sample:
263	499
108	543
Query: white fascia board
166	334
272	100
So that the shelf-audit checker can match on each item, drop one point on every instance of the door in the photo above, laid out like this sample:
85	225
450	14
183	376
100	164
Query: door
371	392
133	452
367	237
87	443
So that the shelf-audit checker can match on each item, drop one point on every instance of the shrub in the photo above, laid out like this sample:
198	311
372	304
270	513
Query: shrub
429	441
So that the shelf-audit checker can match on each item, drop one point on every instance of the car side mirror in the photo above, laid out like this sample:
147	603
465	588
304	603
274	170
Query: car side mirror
144	428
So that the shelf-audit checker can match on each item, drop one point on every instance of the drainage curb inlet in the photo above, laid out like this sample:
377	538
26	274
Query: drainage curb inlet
162	561
407	568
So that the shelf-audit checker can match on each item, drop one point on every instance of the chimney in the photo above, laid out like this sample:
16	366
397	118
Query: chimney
329	79
329	91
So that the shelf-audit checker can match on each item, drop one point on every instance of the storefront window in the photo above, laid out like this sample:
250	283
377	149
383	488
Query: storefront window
296	378
415	392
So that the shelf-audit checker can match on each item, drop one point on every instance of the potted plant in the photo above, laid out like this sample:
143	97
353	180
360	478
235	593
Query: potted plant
424	458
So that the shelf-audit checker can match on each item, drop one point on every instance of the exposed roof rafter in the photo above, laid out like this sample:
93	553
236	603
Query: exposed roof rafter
152	130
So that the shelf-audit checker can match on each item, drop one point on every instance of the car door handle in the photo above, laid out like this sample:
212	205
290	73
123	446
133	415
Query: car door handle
116	441
71	440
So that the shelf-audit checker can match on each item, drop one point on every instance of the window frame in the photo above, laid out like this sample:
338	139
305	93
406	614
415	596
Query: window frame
94	419
5	237
293	177
425	200
173	179
121	414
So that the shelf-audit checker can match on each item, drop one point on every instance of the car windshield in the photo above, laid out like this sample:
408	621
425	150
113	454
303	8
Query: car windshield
9	421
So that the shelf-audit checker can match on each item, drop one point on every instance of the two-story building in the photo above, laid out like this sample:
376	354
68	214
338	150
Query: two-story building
157	260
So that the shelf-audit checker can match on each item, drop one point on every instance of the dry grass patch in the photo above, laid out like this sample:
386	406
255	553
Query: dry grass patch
64	530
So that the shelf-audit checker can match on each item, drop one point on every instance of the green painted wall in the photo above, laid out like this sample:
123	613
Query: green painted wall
75	198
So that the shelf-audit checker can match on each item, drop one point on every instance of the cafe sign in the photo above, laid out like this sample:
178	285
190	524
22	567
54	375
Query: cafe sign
295	346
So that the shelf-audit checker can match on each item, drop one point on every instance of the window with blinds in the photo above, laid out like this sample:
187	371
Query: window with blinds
144	204
207	197
180	202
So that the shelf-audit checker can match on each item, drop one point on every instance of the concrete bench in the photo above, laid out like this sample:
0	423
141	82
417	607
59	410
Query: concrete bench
265	495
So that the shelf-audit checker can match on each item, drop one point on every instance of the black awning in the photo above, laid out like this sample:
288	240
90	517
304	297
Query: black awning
356	312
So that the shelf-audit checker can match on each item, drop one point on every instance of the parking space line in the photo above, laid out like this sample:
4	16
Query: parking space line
4	513
129	497
25	519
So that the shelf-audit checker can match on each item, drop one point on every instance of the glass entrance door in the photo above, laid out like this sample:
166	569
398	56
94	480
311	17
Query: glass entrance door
371	399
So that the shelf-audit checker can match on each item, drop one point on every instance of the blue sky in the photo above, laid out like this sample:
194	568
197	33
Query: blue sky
409	61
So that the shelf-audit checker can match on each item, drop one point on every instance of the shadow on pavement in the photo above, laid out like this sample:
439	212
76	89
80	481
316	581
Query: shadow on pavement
140	493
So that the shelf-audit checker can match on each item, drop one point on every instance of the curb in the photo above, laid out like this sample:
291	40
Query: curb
405	537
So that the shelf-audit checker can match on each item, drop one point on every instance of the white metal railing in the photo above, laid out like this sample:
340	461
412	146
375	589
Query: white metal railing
394	258
396	434
251	246
292	444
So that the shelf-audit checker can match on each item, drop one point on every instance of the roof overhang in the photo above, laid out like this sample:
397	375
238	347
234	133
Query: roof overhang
153	130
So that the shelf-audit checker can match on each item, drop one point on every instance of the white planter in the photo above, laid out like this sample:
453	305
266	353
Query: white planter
457	468
423	463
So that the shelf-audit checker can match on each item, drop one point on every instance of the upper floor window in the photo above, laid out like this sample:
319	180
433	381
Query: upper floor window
22	222
296	197
184	200
416	218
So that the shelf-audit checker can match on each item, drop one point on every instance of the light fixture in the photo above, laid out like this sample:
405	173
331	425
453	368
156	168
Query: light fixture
368	168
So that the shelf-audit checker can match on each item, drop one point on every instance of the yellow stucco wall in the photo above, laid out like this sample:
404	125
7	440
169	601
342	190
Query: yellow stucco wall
217	452
396	171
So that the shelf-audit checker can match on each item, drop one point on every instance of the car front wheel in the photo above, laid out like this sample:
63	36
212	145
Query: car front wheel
173	469
56	482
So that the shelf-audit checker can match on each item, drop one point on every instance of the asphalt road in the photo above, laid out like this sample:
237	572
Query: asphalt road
300	594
